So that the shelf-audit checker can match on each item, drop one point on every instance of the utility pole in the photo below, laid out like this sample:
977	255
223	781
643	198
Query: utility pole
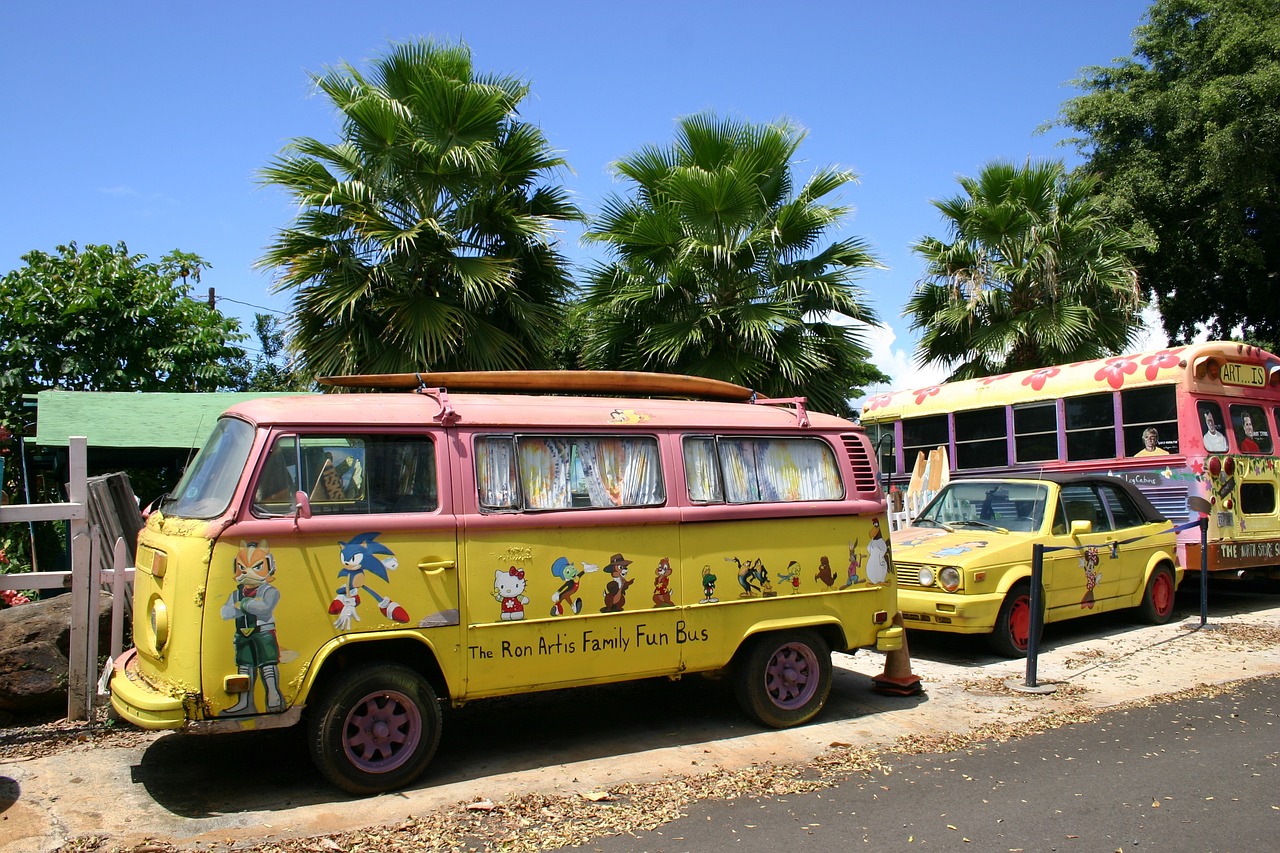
212	298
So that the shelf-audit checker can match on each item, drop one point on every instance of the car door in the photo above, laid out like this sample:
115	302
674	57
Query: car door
1134	546
1077	567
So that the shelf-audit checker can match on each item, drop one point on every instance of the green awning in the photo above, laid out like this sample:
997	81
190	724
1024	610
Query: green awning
111	419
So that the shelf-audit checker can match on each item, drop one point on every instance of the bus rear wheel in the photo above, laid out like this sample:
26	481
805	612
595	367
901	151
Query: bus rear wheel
784	679
375	729
1157	600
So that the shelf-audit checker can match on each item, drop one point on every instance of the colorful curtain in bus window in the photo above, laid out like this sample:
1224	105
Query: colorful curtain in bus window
621	471
783	470
544	465
701	473
496	473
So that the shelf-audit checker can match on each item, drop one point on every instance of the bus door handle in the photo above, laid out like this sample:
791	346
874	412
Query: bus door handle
435	567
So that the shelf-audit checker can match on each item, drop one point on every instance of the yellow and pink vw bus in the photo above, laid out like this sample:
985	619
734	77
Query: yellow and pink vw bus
350	561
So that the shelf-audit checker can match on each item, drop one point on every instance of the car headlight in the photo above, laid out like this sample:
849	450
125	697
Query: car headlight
949	578
926	576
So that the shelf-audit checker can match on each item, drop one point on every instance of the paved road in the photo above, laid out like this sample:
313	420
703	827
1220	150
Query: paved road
1194	775
194	792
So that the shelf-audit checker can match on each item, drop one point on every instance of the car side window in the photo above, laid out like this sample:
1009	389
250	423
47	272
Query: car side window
1081	503
1123	510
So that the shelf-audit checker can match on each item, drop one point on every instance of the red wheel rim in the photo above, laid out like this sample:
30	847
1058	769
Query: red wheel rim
382	731
1162	594
1020	622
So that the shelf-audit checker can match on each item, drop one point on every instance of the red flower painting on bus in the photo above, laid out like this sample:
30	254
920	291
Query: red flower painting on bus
925	393
1037	379
1158	361
877	401
1115	370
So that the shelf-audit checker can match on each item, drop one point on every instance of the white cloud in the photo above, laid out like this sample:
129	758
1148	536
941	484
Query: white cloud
898	362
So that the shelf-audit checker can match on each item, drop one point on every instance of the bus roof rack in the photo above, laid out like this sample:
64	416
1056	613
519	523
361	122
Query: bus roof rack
605	382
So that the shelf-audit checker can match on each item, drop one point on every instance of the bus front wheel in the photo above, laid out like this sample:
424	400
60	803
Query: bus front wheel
375	729
784	679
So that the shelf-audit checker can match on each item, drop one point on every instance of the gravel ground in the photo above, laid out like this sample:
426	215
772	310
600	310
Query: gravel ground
541	822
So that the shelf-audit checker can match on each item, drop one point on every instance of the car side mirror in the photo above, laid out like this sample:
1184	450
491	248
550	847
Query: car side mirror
1079	528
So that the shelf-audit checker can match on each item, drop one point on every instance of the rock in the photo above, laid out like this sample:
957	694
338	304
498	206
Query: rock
34	643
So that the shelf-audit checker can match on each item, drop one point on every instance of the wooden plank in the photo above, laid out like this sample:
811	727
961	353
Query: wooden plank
622	382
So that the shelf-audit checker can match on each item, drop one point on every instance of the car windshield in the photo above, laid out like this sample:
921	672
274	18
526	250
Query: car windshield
989	504
210	480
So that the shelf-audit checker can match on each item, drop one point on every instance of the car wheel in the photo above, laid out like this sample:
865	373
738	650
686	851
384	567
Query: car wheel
1157	600
375	729
1012	633
784	679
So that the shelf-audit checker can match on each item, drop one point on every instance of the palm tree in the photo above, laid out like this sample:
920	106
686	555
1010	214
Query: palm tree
721	270
424	239
1036	273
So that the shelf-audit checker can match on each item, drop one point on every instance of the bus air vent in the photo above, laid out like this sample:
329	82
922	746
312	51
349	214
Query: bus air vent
864	473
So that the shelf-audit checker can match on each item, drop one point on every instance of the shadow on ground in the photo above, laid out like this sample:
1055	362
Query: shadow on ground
198	776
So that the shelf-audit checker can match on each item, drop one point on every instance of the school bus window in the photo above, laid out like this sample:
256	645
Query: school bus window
1258	498
921	435
1250	426
981	438
1035	432
767	470
1150	419
1091	420
549	472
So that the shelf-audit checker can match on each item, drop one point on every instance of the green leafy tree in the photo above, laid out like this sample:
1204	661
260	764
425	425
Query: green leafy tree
1185	135
102	319
270	369
722	268
425	239
1033	273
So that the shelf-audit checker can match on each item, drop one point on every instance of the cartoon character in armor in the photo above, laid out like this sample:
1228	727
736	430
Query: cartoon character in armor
364	554
252	605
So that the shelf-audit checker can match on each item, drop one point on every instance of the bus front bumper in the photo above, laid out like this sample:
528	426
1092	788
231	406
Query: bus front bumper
956	613
137	702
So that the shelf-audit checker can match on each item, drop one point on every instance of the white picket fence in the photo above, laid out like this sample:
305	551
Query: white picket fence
86	686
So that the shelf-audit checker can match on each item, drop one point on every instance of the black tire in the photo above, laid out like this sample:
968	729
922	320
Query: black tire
1012	633
375	729
1157	600
784	679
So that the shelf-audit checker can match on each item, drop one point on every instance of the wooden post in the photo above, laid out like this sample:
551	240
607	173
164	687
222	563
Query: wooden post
84	595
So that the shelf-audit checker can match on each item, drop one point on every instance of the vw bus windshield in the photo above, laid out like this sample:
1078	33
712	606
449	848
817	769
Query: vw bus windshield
210	480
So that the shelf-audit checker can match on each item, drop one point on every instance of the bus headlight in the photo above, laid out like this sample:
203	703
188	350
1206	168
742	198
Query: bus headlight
159	616
949	578
926	576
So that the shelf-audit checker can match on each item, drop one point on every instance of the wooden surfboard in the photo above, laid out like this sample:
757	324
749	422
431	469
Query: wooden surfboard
629	383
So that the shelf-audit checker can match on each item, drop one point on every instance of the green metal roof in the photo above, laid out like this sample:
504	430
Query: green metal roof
123	419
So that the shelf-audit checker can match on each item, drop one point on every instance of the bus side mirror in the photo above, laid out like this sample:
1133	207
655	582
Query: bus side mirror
302	506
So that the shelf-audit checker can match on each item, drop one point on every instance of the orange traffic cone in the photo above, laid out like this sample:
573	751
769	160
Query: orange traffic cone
897	678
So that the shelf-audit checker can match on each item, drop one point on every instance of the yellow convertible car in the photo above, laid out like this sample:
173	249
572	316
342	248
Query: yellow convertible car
964	565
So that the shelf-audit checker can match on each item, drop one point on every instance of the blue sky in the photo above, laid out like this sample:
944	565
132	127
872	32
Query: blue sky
147	121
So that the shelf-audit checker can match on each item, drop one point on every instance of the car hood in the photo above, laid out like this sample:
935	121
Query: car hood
919	545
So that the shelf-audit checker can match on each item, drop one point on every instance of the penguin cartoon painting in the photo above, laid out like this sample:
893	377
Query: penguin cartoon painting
877	566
